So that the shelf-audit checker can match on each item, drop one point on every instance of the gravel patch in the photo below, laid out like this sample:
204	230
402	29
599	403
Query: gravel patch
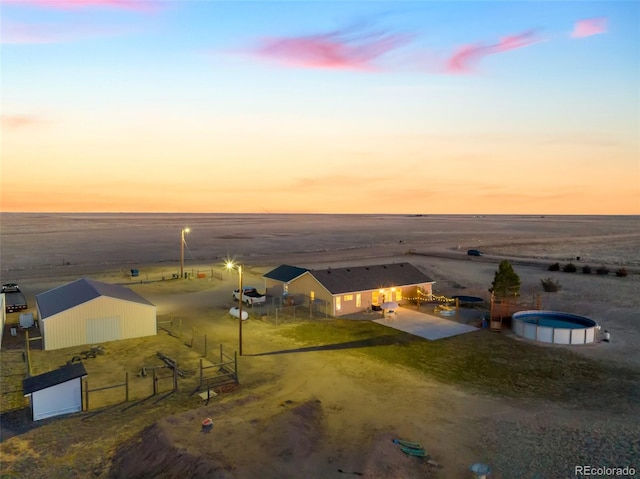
545	450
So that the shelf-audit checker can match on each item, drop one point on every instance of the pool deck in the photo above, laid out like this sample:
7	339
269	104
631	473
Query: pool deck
426	326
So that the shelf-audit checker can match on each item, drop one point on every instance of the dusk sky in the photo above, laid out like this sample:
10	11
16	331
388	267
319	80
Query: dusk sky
321	107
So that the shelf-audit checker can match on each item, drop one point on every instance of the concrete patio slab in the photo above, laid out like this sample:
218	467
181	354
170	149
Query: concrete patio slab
424	325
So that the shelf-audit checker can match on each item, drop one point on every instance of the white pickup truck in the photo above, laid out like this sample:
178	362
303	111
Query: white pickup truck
250	296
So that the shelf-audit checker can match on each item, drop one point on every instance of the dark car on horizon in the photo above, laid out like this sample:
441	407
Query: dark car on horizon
475	252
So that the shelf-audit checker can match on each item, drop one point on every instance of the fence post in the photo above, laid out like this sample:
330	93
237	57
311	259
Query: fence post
86	393
235	360
201	372
126	386
28	353
155	381
276	316
205	345
175	379
220	352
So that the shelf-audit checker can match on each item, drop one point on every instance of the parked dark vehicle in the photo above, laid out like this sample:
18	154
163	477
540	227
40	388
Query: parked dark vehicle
14	300
475	252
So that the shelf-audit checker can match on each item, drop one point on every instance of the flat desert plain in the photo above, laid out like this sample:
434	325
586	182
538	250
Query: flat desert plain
324	398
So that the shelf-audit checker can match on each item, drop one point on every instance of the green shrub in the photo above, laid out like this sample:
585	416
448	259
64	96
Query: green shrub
549	285
569	268
622	272
586	269
602	271
554	267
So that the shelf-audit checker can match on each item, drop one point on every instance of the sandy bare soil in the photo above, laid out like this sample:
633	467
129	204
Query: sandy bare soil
306	413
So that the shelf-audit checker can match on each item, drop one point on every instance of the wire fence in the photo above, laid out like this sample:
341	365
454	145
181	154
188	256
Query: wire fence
169	274
276	310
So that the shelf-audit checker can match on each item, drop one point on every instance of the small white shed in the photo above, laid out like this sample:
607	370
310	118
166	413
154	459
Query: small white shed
56	392
87	311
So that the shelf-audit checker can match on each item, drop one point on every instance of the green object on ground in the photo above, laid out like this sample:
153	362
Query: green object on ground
409	451
409	444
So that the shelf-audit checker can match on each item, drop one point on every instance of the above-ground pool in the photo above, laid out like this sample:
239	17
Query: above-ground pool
554	327
469	299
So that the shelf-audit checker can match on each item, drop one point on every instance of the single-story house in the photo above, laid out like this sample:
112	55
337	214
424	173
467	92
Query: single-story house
90	312
354	289
277	280
56	392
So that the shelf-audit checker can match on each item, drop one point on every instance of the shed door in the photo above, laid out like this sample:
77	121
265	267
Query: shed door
103	329
60	399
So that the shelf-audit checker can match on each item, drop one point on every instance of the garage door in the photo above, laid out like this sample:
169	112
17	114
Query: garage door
103	329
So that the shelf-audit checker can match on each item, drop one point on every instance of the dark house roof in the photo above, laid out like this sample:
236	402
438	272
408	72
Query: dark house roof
80	291
366	278
285	273
57	376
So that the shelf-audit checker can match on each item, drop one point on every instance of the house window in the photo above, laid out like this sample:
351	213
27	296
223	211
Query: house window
398	295
338	304
286	287
312	295
358	300
348	297
374	297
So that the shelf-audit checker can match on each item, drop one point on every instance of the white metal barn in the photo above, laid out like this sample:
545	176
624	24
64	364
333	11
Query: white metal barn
90	312
56	392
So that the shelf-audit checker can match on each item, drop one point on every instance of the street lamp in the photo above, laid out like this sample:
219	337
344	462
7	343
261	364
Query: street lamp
230	265
184	230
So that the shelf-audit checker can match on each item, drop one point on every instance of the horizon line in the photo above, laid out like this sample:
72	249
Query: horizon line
309	213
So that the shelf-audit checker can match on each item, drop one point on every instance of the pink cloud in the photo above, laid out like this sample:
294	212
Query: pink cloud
20	33
331	51
140	5
588	27
31	34
513	42
463	59
13	122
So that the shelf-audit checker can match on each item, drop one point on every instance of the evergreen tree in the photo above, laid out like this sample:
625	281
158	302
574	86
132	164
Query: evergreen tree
506	282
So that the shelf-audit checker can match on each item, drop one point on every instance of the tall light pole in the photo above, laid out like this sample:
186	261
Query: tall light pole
230	265
184	230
